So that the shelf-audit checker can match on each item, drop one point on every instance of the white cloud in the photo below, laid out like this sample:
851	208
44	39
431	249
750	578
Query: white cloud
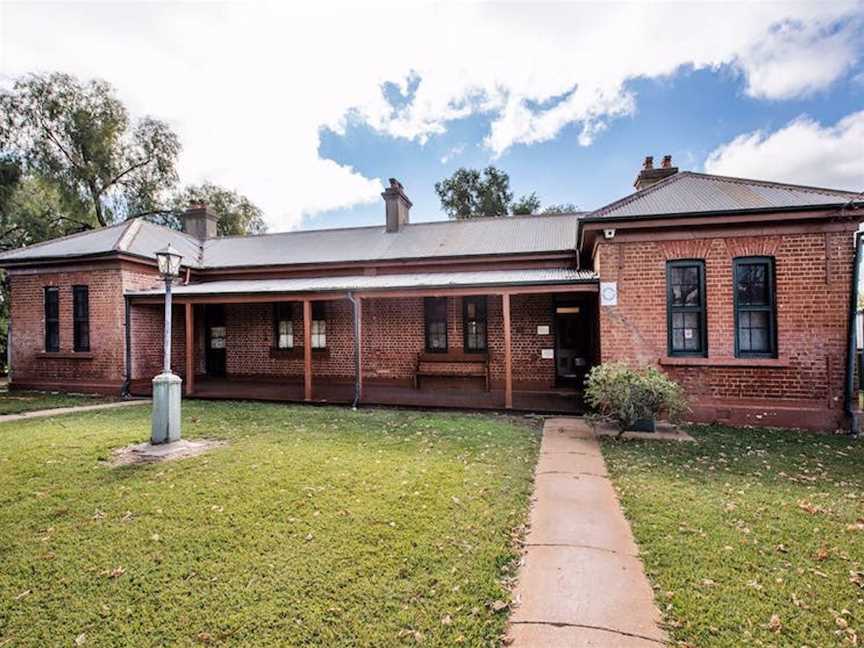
248	86
802	152
452	153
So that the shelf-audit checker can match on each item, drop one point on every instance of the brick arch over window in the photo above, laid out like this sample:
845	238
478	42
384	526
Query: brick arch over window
673	250
746	246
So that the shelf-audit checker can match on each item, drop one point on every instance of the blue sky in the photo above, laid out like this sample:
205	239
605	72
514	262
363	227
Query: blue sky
308	108
688	115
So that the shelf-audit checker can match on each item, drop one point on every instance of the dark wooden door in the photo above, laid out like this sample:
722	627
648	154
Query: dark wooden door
214	318
573	346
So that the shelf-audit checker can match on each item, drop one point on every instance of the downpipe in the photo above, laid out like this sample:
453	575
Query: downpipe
127	374
854	422
354	305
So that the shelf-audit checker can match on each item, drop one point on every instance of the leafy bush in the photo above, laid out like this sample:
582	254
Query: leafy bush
625	395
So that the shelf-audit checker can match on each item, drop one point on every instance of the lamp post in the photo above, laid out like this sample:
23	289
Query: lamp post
167	386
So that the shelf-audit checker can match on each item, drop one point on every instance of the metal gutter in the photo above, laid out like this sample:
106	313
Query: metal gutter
714	212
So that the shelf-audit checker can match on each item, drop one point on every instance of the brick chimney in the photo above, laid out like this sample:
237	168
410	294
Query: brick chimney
396	205
199	221
649	175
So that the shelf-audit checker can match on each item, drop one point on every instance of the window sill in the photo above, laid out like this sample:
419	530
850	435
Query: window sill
65	355
685	361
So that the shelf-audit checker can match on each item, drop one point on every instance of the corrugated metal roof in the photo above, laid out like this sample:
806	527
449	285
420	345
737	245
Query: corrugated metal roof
135	236
689	192
482	236
478	236
382	282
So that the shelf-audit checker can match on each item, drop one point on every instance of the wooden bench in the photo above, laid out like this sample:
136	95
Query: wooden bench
468	365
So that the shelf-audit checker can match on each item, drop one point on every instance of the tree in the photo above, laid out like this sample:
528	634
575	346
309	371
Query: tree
79	137
526	205
562	208
237	214
470	194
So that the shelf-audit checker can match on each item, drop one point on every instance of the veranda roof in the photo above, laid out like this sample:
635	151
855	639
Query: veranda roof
383	282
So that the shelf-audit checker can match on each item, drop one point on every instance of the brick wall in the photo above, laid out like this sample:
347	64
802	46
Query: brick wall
804	386
101	369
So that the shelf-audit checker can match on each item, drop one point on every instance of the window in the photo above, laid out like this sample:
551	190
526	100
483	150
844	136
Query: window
436	324
319	325
685	306
52	319
81	318
283	326
474	324
755	310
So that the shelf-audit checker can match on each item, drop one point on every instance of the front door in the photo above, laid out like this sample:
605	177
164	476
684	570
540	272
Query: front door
573	347
214	320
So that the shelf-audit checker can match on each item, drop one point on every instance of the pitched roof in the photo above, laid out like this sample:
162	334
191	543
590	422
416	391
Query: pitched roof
482	236
136	236
542	276
479	236
690	192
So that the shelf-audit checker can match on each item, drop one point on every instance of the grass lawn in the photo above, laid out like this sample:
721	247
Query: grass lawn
314	526
751	537
27	401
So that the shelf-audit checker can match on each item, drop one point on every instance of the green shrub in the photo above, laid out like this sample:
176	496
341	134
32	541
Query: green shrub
625	395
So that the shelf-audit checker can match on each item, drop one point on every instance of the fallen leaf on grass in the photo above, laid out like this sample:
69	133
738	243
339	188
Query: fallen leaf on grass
857	526
446	619
822	554
23	594
81	639
857	578
499	605
116	572
775	625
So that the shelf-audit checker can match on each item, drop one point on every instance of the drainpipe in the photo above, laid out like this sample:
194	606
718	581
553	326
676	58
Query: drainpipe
353	301
854	423
127	378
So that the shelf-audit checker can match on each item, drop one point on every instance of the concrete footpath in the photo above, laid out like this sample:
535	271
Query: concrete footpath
581	582
57	411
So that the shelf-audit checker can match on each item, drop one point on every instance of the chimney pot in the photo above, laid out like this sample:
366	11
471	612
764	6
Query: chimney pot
199	221
649	175
397	207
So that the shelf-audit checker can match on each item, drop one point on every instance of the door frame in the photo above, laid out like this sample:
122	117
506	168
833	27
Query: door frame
588	311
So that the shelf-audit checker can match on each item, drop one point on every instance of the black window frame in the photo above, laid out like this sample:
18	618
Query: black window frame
481	311
770	307
319	314
52	320
282	311
81	319
701	310
429	318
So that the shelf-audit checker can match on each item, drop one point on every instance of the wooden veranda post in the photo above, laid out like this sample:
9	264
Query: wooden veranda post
190	349
307	350
508	359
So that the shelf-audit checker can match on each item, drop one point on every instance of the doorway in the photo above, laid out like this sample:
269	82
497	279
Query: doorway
574	348
214	322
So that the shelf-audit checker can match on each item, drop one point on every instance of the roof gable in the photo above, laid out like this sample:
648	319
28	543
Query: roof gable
690	192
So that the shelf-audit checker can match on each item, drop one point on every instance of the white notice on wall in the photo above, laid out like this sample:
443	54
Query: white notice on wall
608	293
547	354
543	330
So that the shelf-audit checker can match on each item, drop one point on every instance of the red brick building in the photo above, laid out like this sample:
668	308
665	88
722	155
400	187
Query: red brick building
740	289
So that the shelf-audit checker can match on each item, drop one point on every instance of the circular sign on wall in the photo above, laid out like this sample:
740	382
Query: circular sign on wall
608	293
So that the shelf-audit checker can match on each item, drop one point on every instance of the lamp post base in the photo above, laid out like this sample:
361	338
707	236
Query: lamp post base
167	390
